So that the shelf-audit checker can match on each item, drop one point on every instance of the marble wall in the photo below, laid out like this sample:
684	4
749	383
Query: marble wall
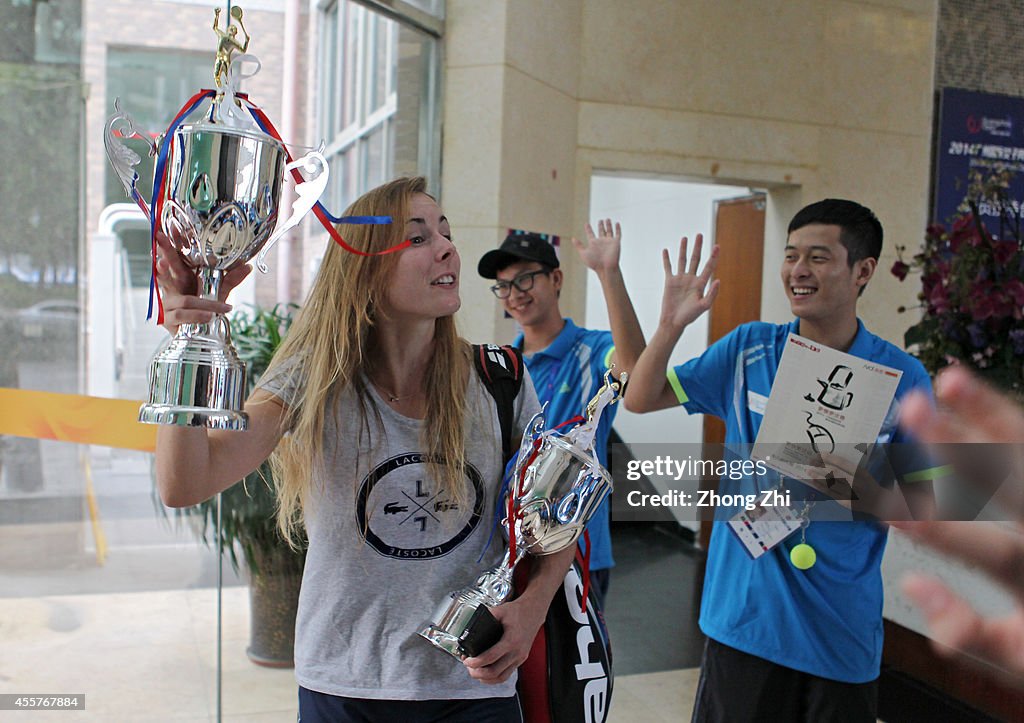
806	99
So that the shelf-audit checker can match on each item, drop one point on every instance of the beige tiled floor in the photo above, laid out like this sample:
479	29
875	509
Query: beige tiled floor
151	656
665	697
144	656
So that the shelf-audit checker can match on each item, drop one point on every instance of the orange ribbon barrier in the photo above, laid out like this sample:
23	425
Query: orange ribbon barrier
75	418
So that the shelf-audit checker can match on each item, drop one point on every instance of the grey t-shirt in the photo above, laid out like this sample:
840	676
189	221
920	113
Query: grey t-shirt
386	547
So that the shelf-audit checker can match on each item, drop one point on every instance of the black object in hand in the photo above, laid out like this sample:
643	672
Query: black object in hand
481	633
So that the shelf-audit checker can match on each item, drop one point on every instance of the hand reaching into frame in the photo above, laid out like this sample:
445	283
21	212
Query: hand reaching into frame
970	411
688	294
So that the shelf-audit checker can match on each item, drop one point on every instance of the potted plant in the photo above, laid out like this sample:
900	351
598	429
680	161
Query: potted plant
972	286
248	524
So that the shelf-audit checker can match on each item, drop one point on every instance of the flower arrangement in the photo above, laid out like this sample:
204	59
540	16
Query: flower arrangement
972	287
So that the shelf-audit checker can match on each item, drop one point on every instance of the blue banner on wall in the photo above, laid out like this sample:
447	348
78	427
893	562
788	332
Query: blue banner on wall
976	131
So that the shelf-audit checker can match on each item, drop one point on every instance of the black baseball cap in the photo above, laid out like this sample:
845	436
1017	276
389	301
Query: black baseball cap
517	247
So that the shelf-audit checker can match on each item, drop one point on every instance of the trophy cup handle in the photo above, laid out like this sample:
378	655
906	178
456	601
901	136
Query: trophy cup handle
534	429
121	157
307	194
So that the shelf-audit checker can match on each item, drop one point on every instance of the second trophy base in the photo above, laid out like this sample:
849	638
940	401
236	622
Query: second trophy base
470	632
194	417
442	640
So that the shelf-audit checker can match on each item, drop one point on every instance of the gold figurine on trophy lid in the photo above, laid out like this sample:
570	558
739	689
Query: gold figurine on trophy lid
227	42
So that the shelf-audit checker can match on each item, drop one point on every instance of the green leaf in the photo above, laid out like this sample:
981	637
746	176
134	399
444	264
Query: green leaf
921	332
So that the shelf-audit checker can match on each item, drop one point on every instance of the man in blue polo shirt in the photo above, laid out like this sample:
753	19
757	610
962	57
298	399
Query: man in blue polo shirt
567	362
786	644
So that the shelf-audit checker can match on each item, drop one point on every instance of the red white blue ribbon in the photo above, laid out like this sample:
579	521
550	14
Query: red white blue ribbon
326	219
157	202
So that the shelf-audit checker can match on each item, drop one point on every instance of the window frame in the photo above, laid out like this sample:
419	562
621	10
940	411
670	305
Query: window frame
348	31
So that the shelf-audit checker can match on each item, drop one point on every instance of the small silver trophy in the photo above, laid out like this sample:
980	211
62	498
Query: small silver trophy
218	200
557	485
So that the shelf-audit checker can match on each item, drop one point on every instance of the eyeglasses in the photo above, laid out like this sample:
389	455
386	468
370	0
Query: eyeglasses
523	282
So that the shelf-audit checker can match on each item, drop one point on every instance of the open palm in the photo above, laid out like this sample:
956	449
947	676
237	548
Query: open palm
688	293
601	252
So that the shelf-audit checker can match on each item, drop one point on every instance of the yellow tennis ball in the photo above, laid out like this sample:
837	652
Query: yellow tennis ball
803	556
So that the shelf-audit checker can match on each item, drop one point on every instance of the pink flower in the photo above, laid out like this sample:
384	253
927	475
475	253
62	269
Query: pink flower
1002	305
982	308
1004	251
938	299
981	300
965	230
1015	288
988	303
930	280
899	270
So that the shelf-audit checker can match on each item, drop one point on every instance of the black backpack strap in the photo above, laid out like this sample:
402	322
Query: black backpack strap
501	370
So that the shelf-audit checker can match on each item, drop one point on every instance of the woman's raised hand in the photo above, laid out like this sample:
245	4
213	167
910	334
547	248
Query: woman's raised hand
179	288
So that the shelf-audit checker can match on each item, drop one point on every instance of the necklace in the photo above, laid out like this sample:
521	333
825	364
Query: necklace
393	398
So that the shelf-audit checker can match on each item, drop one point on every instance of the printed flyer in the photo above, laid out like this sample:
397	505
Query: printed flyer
823	402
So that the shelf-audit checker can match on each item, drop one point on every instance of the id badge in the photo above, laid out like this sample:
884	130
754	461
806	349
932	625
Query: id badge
762	528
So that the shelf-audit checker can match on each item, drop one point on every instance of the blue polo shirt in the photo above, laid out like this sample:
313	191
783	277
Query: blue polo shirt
826	621
566	375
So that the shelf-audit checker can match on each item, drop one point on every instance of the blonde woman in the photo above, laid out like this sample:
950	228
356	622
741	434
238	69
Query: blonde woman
386	446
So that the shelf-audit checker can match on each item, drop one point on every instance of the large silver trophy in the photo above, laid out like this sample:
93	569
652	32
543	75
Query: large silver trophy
556	487
218	189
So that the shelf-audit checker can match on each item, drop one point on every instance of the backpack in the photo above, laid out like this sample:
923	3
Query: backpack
501	370
567	677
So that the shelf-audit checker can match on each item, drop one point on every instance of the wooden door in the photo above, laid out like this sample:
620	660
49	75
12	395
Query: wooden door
739	233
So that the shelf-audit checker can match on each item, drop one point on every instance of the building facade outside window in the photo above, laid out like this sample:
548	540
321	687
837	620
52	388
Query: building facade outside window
378	105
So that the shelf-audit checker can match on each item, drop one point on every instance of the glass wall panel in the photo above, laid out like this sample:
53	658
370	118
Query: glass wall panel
41	317
152	85
103	590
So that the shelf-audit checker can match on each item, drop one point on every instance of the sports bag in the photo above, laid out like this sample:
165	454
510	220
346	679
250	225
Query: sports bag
568	676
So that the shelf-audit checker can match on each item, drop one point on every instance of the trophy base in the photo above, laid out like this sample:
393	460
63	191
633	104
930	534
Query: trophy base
443	641
194	417
197	380
465	631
